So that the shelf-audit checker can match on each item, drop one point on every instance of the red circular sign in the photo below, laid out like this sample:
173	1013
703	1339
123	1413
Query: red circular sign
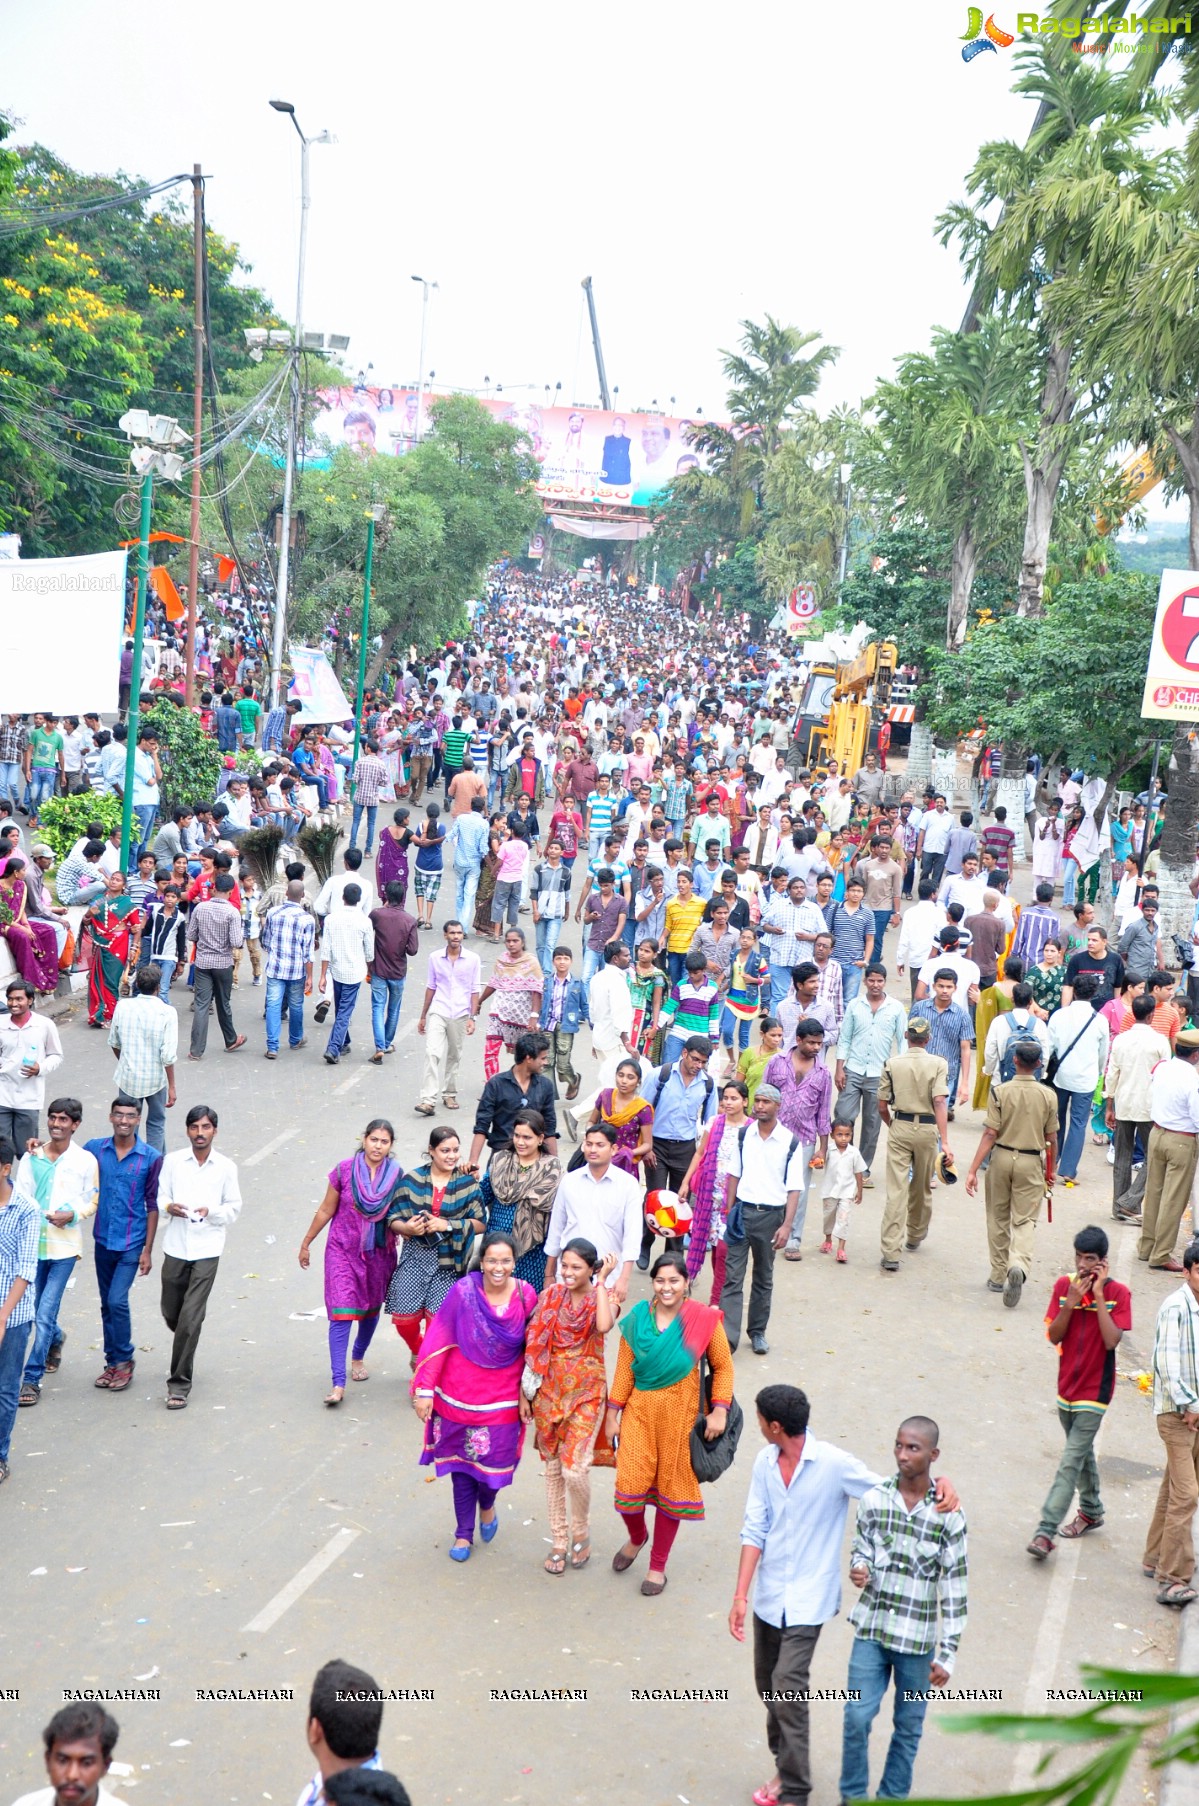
1180	629
801	603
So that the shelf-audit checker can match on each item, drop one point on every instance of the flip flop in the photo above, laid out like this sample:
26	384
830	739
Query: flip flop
575	1548
555	1563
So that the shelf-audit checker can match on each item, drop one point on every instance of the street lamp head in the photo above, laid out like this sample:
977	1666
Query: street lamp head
323	138
283	106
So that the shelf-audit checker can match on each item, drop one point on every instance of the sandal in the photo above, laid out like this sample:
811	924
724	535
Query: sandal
575	1549
334	1398
358	1371
121	1377
29	1394
792	1254
555	1562
54	1358
450	1101
621	1562
1177	1594
176	1401
1079	1525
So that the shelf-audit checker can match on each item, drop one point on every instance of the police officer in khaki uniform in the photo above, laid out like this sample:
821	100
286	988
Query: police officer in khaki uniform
1021	1124
912	1100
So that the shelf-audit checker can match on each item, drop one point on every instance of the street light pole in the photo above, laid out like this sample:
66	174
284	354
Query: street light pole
279	637
135	675
424	327
365	630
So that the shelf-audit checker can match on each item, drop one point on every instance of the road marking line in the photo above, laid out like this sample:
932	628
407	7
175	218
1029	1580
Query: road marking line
300	1583
1047	1648
272	1147
355	1078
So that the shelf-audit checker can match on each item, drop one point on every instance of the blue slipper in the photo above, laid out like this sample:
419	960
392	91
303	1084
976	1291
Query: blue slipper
459	1554
487	1531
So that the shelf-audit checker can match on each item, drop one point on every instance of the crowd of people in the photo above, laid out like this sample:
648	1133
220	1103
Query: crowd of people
635	851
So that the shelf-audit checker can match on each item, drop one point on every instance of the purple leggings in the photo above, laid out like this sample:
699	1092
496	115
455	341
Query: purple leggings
339	1341
470	1495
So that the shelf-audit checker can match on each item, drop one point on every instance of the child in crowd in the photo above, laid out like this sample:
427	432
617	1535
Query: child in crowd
251	929
843	1176
692	1008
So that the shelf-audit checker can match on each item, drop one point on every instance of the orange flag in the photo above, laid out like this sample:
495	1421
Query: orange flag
225	568
163	585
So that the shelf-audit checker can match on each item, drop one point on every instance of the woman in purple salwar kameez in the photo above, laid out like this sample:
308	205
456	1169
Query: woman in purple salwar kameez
360	1255
391	860
467	1388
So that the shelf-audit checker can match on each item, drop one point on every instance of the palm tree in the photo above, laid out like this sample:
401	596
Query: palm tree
1070	207
947	429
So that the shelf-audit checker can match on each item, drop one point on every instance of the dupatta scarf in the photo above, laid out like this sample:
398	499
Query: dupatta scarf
704	1202
560	1322
371	1195
461	1204
662	1358
531	1189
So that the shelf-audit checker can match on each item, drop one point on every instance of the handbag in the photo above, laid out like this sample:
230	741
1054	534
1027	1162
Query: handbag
711	1459
1057	1061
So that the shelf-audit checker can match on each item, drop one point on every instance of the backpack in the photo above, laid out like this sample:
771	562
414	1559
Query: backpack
1007	1059
663	1079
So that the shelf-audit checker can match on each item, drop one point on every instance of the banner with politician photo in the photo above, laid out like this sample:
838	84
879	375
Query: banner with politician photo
585	454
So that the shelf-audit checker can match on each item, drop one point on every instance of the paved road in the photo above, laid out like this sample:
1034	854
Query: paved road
246	1540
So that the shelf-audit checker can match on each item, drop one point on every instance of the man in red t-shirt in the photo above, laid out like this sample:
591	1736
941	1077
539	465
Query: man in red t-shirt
1087	1315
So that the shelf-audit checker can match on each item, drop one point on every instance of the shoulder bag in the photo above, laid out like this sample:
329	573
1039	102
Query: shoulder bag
1057	1061
711	1459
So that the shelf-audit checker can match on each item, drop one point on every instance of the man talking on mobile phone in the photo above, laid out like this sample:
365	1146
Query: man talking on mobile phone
1088	1313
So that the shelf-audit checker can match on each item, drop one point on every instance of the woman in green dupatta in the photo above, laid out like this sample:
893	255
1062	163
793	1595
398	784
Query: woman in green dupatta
652	1404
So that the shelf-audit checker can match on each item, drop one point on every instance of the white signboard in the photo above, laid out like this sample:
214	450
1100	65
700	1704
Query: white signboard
1172	679
60	633
314	685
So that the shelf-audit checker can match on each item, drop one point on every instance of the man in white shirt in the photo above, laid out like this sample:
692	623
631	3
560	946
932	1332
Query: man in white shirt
967	887
765	1179
347	948
199	1199
946	958
30	1051
333	889
918	929
610	1007
602	1205
1170	1163
1127	1109
79	1740
933	840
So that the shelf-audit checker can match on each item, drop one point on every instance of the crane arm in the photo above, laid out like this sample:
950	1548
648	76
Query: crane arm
605	397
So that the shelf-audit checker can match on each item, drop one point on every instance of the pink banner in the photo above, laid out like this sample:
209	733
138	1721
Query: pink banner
586	454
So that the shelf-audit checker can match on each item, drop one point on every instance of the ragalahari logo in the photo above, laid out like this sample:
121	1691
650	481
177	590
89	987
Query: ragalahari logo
979	37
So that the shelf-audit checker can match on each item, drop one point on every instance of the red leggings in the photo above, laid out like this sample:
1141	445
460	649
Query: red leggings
665	1531
720	1254
410	1328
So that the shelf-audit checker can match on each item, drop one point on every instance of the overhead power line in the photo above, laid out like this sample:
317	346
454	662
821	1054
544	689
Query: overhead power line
15	220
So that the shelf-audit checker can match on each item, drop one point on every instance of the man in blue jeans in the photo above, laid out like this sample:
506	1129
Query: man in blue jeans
396	942
63	1181
288	937
370	778
909	1558
19	1228
123	1236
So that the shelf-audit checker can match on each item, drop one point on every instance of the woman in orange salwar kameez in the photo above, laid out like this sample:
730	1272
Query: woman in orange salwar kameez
564	1350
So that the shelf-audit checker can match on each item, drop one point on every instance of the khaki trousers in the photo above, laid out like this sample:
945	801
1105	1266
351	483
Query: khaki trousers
444	1037
1170	1550
1169	1169
1015	1193
911	1149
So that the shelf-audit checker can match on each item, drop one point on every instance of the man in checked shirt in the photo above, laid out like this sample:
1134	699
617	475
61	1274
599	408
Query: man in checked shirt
910	1561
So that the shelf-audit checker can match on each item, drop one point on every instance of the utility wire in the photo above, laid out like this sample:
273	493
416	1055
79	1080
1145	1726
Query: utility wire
16	220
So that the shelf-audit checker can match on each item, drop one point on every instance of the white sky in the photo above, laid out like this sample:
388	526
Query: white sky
702	163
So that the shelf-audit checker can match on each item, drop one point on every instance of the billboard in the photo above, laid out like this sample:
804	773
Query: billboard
60	632
585	454
315	687
1172	677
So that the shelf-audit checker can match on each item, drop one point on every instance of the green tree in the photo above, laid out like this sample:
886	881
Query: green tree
1066	210
191	763
902	590
1067	680
454	504
947	430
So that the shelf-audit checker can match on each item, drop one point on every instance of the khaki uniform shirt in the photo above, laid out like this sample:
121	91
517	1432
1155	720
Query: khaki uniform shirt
911	1080
1023	1114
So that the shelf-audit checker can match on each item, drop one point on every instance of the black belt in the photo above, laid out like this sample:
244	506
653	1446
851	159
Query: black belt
675	1141
913	1116
1009	1149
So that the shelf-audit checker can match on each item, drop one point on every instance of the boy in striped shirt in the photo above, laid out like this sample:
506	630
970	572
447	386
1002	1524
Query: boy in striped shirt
692	1008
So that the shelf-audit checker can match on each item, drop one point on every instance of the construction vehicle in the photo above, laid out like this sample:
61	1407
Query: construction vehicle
843	706
605	397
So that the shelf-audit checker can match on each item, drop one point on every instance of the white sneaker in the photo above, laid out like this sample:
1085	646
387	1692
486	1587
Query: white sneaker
1111	1156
